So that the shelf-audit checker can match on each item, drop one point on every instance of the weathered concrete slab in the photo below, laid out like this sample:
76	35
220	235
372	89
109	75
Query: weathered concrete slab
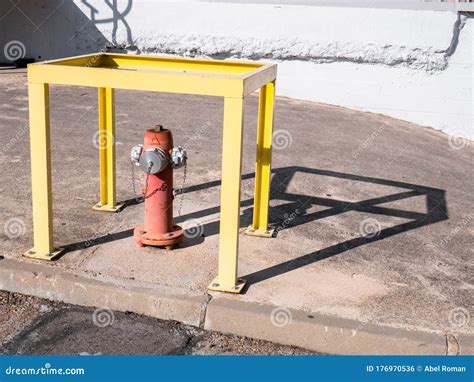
278	324
327	334
373	214
60	285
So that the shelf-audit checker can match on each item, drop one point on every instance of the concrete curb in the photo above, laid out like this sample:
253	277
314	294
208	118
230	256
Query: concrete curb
56	284
320	333
324	334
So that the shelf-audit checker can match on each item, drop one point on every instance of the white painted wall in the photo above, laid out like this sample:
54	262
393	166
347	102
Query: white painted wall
44	29
403	63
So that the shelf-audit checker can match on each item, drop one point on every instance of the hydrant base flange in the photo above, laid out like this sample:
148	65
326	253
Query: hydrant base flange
158	240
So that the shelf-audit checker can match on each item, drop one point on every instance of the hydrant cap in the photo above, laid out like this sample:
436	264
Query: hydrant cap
153	160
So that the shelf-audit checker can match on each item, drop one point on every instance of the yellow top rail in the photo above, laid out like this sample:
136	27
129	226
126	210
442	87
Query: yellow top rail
154	73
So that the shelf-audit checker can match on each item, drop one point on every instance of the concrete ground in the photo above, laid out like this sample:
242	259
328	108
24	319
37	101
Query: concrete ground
374	219
34	326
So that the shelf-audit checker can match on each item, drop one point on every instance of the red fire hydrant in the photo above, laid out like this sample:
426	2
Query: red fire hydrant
157	157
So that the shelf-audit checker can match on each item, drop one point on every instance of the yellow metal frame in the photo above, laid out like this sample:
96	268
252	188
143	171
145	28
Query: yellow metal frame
229	79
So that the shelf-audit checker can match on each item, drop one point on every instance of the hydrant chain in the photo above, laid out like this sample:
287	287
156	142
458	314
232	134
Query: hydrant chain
138	198
163	187
181	191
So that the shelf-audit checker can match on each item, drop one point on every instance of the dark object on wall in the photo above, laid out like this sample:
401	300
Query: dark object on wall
22	62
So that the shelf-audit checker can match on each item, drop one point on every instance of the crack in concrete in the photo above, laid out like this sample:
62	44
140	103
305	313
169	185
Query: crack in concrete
452	345
203	310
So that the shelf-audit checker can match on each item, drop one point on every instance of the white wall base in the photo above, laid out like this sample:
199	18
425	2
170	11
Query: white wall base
439	100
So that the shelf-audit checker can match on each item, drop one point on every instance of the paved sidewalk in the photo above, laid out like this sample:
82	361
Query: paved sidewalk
375	242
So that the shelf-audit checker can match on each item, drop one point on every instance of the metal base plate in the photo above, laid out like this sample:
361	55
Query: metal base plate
108	208
215	286
250	231
32	254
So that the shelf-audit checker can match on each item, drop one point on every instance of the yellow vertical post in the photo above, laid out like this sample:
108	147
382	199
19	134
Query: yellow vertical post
40	149
259	225
105	142
226	280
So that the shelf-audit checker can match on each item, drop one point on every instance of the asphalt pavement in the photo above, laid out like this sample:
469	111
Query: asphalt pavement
29	325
